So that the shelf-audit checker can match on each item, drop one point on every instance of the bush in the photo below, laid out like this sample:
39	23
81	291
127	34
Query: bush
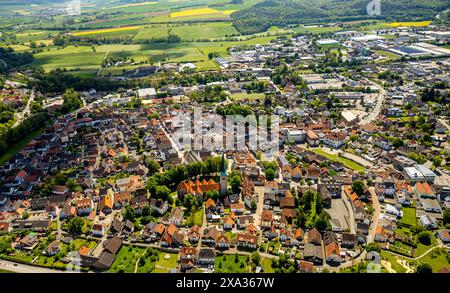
424	238
424	269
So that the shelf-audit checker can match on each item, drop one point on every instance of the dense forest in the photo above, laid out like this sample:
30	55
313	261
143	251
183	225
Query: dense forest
11	59
263	15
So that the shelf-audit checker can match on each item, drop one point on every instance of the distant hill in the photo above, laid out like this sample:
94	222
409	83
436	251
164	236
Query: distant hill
263	15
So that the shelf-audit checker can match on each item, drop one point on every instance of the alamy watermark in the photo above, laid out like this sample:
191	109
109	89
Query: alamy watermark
374	8
73	7
198	131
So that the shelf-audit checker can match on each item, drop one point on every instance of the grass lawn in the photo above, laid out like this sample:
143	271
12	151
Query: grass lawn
437	259
266	265
392	258
335	158
388	55
409	216
230	235
170	263
421	248
245	96
5	272
77	243
227	264
20	145
126	259
195	218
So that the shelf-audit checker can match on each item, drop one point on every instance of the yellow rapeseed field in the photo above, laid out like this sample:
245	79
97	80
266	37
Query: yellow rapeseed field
412	23
194	12
228	12
106	30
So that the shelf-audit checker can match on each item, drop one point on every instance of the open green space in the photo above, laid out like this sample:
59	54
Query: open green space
231	263
388	55
438	259
393	260
409	216
195	218
167	261
188	32
266	265
335	158
126	259
246	96
87	59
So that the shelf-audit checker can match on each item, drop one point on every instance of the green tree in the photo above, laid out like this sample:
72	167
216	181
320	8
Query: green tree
71	101
255	258
270	174
373	246
424	237
437	161
162	192
446	216
152	166
358	187
236	183
75	225
130	213
424	268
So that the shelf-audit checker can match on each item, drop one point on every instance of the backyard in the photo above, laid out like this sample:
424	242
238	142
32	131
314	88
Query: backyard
231	263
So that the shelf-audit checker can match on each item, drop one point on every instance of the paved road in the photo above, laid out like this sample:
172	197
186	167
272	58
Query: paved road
377	109
260	203
26	111
23	268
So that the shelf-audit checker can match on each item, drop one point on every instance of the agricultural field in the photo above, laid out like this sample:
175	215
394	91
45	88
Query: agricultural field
109	31
86	60
410	23
196	12
188	32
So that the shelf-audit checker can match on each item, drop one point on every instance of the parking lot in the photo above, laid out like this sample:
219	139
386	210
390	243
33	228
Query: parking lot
340	211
